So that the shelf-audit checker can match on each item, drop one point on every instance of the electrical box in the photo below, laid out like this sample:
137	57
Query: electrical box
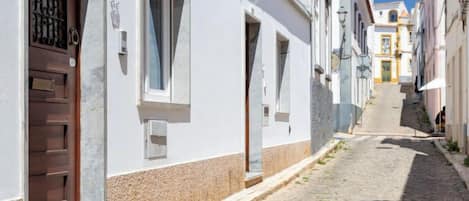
155	139
266	116
122	42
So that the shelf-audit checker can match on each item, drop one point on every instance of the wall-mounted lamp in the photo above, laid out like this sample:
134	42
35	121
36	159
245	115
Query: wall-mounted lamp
342	16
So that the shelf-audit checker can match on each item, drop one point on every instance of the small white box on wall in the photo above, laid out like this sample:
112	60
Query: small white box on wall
122	42
156	139
266	115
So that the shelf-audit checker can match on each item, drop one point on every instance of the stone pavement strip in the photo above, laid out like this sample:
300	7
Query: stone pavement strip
379	168
456	159
273	183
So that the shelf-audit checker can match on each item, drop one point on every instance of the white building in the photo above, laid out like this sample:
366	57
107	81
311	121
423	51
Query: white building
352	83
139	103
392	43
456	74
418	61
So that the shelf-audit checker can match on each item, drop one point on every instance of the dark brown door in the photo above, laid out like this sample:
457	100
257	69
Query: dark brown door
247	82
53	48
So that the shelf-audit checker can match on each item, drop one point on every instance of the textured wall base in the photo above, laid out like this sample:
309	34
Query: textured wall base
212	179
277	158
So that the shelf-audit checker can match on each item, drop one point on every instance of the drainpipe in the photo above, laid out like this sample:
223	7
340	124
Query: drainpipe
465	9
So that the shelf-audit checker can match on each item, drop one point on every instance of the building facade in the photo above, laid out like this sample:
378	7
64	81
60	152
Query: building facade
418	63
352	76
456	74
392	43
435	55
157	100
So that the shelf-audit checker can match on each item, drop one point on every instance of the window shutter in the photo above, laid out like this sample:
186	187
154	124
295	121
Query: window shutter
181	61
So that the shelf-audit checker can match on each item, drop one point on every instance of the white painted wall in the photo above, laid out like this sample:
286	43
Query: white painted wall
280	16
215	124
11	101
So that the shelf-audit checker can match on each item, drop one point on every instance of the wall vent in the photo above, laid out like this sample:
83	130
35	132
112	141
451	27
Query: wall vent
155	139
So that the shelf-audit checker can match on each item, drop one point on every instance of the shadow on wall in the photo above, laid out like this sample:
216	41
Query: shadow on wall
427	164
413	114
282	13
322	115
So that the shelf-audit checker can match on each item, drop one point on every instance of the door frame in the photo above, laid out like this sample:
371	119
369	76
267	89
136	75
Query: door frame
248	109
24	29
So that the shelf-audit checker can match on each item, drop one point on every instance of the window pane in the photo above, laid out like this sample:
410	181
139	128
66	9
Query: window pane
386	45
155	44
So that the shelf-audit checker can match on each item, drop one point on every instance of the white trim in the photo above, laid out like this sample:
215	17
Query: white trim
24	80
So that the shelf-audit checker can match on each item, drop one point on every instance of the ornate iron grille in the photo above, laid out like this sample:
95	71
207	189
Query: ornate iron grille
49	23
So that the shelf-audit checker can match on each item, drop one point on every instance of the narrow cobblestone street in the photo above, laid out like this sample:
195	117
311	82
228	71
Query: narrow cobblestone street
379	164
379	168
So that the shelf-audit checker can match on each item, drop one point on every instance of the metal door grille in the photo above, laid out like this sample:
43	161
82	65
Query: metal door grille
49	23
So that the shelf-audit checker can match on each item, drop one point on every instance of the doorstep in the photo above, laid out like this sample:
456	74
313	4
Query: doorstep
456	159
271	184
252	178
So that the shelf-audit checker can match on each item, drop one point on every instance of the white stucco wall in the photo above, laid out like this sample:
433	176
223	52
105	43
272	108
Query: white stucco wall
214	123
216	114
11	101
279	16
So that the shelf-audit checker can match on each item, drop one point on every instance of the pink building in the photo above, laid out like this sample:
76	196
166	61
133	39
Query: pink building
433	16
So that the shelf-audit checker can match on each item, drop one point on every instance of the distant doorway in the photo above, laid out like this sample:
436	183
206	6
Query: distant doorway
386	71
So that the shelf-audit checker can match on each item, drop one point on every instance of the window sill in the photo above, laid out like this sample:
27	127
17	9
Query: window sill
153	104
159	101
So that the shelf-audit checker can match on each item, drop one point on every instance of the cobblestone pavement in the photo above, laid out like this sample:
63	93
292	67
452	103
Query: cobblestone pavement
394	110
379	168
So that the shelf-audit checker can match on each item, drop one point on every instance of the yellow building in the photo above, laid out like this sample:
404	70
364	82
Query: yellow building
392	43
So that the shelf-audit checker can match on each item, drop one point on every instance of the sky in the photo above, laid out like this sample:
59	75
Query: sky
409	3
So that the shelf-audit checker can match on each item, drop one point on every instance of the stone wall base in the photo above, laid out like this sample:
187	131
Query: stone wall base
277	158
212	179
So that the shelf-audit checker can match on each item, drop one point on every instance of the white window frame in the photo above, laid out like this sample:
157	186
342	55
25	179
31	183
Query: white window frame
280	38
157	95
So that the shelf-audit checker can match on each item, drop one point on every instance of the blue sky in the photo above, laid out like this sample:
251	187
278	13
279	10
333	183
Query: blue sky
409	3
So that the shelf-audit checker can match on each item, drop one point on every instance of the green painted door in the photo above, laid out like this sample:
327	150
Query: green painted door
386	71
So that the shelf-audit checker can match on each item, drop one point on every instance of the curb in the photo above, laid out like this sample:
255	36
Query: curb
281	179
456	160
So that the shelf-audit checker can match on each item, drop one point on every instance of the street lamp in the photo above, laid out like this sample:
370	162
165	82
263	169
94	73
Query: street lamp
342	12
342	16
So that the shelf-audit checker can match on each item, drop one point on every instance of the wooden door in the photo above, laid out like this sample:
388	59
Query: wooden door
247	83
386	71
53	70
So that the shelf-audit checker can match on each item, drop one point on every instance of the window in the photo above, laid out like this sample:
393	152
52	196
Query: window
386	45
393	16
166	72
365	41
283	75
359	32
355	12
157	42
362	36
